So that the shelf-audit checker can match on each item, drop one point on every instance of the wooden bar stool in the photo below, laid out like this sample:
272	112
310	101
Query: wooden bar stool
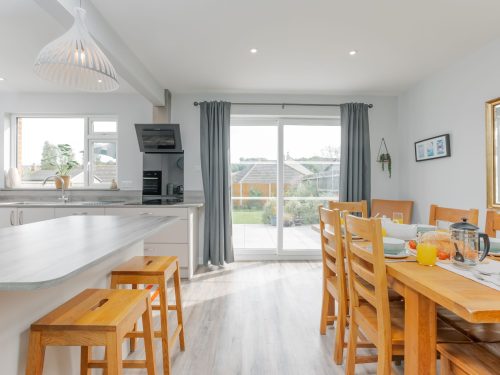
95	317
155	270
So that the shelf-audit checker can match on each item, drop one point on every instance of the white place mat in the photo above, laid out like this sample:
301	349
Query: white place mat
491	266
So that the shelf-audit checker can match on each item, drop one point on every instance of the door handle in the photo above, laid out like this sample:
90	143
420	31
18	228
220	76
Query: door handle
12	218
21	218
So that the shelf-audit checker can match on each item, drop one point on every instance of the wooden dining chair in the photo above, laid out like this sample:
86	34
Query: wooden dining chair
452	215
352	207
371	312
492	222
385	207
334	279
380	322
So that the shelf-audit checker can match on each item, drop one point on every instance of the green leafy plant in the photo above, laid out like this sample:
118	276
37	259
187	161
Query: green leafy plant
386	158
61	159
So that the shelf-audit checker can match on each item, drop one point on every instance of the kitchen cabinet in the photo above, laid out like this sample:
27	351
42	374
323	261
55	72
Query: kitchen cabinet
180	238
71	211
8	216
26	215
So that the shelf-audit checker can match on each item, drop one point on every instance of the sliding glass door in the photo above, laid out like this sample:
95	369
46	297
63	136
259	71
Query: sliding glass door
282	170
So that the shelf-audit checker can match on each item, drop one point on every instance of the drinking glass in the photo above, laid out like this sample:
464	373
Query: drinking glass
426	254
397	217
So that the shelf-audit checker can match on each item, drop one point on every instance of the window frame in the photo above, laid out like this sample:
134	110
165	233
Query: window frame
89	137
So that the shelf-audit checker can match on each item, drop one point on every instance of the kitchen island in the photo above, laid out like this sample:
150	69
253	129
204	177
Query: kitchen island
44	264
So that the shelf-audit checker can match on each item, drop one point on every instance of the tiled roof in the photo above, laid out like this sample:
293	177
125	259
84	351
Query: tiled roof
267	173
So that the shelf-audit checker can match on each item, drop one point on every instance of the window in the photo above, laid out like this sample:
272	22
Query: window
39	143
282	170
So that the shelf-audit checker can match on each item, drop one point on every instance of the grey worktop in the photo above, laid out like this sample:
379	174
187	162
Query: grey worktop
42	254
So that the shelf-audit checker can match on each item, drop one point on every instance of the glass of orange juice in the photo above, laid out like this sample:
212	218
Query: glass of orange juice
397	217
426	254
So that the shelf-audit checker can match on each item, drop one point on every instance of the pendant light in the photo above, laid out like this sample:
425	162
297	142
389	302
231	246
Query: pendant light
75	60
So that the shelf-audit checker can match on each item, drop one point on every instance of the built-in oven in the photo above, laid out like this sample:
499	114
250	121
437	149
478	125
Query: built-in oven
151	183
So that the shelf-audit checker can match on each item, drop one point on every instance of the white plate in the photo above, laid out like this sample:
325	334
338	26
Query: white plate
401	255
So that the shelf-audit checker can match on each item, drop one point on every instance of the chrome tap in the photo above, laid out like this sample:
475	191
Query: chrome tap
63	198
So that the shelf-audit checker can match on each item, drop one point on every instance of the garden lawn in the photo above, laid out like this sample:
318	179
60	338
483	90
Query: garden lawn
247	216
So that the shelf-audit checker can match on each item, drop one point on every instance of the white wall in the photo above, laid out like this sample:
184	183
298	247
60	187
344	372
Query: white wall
451	101
129	108
383	123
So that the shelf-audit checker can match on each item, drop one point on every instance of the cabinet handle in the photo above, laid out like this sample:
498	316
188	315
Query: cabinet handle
79	213
146	213
12	218
21	218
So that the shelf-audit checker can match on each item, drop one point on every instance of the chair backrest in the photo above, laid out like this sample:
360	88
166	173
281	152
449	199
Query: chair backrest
353	207
452	215
332	249
367	276
388	207
492	223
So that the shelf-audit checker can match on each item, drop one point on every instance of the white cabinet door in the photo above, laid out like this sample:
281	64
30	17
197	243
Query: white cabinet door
26	215
69	211
8	217
174	249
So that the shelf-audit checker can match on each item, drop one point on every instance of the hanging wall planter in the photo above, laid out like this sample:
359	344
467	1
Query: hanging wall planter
384	157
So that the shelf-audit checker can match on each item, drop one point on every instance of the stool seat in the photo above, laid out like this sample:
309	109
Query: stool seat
146	265
94	310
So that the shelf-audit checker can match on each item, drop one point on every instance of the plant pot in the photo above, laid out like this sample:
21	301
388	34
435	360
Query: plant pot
67	182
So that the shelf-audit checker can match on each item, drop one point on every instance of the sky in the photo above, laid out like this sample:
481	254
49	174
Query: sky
299	141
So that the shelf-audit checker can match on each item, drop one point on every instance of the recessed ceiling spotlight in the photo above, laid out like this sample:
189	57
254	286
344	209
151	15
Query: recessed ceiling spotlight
99	81
254	50
2	79
353	52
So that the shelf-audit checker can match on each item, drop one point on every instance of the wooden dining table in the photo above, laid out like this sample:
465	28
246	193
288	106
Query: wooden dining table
423	288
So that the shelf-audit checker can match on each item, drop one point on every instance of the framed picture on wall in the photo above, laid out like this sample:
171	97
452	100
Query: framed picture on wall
433	148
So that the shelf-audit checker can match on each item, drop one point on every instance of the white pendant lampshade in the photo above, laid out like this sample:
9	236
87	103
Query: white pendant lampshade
75	60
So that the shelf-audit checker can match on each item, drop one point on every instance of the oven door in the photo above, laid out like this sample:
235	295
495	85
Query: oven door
151	183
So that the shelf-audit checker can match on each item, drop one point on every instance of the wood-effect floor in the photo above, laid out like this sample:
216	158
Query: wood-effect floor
257	318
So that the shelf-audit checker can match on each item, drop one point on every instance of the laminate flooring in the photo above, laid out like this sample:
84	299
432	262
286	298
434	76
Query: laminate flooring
257	318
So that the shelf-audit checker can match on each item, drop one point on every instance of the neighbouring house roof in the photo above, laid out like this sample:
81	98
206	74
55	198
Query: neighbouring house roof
267	173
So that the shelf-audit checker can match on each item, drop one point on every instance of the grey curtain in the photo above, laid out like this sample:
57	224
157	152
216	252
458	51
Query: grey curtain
355	167
216	173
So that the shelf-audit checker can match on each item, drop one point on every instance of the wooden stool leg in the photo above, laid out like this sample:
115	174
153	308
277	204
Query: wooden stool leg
36	354
164	325
147	322
178	303
114	353
85	357
132	339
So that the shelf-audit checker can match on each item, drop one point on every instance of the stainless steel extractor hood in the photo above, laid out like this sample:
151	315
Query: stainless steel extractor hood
159	138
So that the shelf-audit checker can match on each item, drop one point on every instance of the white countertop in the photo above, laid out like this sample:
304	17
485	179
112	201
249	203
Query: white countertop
40	255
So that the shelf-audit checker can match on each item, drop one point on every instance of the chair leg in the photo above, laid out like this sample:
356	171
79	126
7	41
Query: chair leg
164	326
114	352
445	365
147	322
338	351
85	357
351	347
324	311
36	354
384	359
178	304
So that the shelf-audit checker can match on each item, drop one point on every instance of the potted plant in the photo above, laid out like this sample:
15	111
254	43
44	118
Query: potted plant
62	160
384	157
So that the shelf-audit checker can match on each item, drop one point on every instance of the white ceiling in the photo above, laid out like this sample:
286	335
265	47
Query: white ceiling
203	45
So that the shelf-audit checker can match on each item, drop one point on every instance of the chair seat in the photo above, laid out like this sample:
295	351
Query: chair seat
146	265
479	332
94	309
471	359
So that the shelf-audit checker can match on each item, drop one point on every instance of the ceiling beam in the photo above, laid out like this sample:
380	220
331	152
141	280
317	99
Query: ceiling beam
126	63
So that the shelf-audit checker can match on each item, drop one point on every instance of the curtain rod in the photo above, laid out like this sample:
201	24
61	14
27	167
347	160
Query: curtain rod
283	105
